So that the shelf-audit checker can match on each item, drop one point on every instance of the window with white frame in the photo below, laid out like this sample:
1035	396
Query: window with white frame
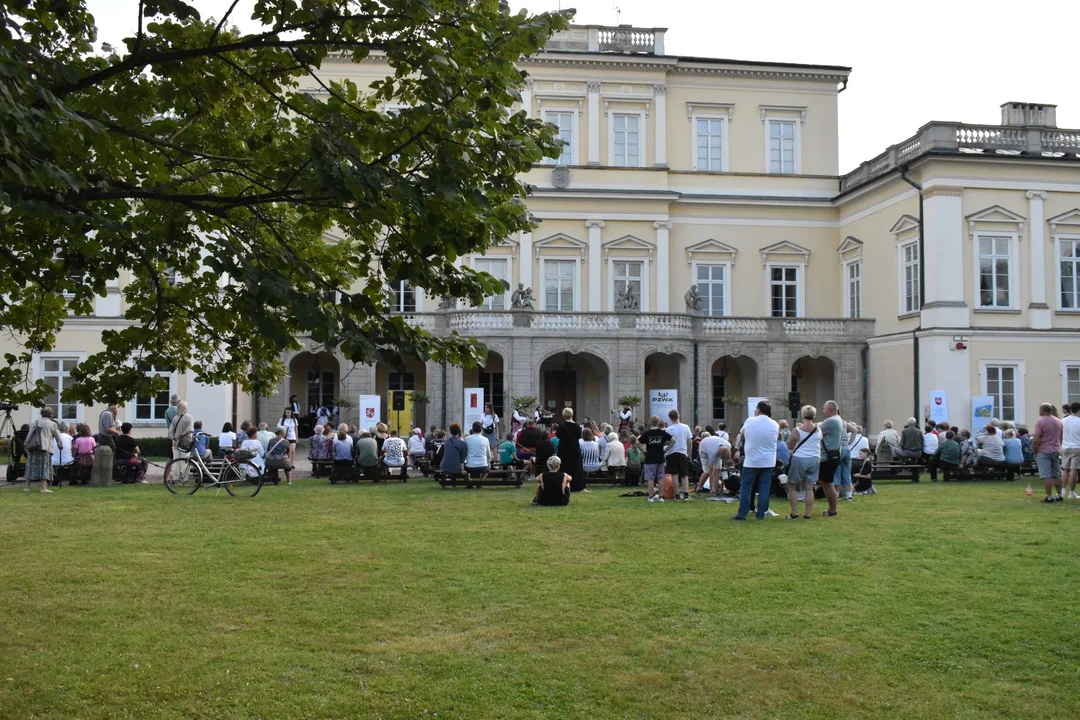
712	288
1001	385
994	267
560	280
784	291
853	277
1069	272
56	372
496	267
782	146
910	289
1072	382
151	406
564	121
628	275
626	140
709	143
402	297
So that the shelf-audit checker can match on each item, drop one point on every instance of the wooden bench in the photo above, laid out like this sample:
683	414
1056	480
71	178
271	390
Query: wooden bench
503	477
896	469
320	468
611	476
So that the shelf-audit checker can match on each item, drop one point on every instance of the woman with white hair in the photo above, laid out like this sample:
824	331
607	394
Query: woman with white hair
614	454
39	447
553	485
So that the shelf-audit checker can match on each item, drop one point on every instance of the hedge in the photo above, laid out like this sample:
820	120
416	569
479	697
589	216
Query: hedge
159	446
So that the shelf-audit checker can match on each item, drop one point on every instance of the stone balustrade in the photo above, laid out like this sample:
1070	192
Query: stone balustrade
677	326
958	138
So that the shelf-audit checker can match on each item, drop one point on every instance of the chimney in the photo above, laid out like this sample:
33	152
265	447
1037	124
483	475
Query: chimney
1021	114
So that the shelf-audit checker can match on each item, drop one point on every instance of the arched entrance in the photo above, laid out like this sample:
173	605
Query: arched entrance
733	380
490	376
577	380
313	378
663	371
814	379
410	377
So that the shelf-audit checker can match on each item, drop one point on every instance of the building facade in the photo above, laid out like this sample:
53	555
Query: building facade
951	262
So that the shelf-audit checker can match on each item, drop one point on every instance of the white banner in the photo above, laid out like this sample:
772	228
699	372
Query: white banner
982	409
751	405
661	402
474	407
370	409
939	406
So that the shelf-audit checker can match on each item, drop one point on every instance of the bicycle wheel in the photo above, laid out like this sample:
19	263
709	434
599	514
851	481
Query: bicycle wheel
242	479
182	476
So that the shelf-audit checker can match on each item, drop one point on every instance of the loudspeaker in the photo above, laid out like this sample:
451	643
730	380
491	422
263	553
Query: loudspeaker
397	400
794	403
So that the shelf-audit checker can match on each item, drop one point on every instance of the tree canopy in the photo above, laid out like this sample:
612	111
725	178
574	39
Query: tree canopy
206	166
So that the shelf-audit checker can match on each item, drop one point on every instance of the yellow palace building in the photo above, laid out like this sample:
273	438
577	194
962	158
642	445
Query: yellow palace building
949	262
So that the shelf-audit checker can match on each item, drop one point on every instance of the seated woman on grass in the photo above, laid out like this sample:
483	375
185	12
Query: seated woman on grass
277	455
553	486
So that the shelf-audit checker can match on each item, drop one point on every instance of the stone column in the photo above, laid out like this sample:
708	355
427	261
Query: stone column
593	89
660	125
944	299
594	266
1039	316
525	261
663	289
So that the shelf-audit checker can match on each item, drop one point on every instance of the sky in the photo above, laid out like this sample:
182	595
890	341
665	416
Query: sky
912	62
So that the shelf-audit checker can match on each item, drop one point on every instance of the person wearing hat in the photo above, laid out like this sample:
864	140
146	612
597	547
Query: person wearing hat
417	448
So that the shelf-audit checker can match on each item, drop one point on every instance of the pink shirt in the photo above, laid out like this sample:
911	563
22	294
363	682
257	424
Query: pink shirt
1048	428
83	444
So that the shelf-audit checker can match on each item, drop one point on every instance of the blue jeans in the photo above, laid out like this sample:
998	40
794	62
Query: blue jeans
762	477
843	473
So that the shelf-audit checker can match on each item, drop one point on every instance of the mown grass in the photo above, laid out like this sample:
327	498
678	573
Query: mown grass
406	601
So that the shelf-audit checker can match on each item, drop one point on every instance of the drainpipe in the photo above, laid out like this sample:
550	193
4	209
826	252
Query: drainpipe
443	395
917	414
864	353
697	351
235	397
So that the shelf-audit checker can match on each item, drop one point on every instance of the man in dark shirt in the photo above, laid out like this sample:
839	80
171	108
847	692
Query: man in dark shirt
653	465
911	441
947	457
127	453
528	439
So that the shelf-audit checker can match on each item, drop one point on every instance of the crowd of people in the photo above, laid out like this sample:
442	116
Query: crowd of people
767	457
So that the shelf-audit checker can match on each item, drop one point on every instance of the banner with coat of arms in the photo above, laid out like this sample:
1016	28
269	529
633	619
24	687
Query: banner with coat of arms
370	411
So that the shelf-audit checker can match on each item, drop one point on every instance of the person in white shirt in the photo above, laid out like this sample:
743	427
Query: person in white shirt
61	454
759	435
677	457
417	448
709	454
264	437
929	442
490	425
624	417
614	453
393	453
226	440
1070	450
252	446
477	453
291	424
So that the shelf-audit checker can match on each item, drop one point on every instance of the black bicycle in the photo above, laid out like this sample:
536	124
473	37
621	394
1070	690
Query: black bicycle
238	475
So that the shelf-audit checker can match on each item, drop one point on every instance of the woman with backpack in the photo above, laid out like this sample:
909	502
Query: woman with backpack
39	447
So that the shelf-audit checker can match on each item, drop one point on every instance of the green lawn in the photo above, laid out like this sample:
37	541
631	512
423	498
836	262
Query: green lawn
410	601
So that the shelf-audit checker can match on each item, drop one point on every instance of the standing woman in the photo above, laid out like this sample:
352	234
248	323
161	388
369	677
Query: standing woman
39	447
489	423
294	405
289	422
568	434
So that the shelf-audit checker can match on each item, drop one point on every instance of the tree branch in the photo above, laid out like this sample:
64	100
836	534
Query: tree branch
221	24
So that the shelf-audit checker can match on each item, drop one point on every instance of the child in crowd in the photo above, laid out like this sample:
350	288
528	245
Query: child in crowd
864	482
